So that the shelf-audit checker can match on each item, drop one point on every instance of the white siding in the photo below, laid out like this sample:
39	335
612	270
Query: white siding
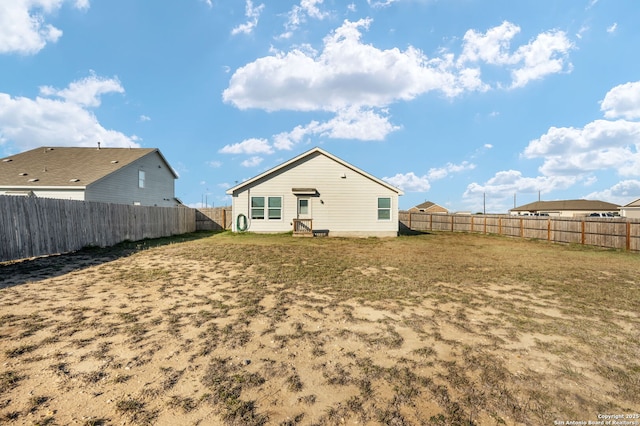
121	187
630	212
61	193
345	206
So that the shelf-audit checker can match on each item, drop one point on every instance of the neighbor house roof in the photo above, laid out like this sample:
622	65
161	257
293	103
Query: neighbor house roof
307	154
566	205
427	205
68	166
635	203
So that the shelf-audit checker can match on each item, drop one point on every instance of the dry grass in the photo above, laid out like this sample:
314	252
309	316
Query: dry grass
441	329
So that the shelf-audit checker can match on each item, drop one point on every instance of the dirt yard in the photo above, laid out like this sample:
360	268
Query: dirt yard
434	329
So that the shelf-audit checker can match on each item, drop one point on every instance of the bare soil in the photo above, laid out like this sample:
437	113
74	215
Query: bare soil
432	329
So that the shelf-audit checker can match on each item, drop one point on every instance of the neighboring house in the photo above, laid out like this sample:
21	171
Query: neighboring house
428	207
139	176
631	210
313	193
565	208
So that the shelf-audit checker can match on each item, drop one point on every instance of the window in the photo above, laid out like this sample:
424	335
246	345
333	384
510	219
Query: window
141	178
257	207
275	208
384	208
303	206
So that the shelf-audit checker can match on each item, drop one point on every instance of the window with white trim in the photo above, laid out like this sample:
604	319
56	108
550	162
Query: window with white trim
266	207
384	208
141	178
257	207
275	208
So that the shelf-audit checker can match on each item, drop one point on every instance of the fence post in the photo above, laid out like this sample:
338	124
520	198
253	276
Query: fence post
628	235
485	224
549	229
499	226
431	222
521	228
410	221
582	236
452	216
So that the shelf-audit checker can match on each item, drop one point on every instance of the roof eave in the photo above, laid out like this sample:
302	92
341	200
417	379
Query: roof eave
230	191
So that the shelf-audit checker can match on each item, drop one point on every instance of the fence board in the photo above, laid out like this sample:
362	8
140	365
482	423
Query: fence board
31	226
619	233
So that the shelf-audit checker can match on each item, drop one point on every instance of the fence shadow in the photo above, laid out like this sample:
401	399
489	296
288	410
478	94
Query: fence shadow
404	230
25	271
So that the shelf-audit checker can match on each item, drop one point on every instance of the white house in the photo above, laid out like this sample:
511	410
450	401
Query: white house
565	208
139	176
316	192
631	210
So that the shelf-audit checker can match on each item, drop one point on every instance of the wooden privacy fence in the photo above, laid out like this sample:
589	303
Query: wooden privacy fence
618	232
213	219
32	226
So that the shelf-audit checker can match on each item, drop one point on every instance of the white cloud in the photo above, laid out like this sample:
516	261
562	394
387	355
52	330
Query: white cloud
449	168
252	162
612	28
506	183
350	123
600	145
143	118
214	164
251	12
85	92
380	3
349	73
622	101
29	123
491	47
546	54
248	146
299	13
621	193
23	27
409	182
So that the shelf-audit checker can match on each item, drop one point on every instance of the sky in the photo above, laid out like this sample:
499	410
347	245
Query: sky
475	105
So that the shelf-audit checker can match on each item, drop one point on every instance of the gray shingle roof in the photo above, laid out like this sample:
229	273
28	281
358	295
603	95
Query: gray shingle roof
67	166
593	205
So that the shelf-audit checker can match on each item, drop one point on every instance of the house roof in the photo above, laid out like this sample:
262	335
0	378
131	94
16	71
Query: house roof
428	205
425	205
68	166
582	205
309	153
635	203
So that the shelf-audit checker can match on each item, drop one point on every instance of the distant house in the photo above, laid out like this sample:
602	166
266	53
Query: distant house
631	210
316	192
139	176
565	208
428	207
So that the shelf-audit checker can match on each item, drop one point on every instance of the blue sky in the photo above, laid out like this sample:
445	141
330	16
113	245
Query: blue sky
460	102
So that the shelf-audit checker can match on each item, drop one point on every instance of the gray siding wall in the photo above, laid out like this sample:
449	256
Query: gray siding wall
346	206
122	186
